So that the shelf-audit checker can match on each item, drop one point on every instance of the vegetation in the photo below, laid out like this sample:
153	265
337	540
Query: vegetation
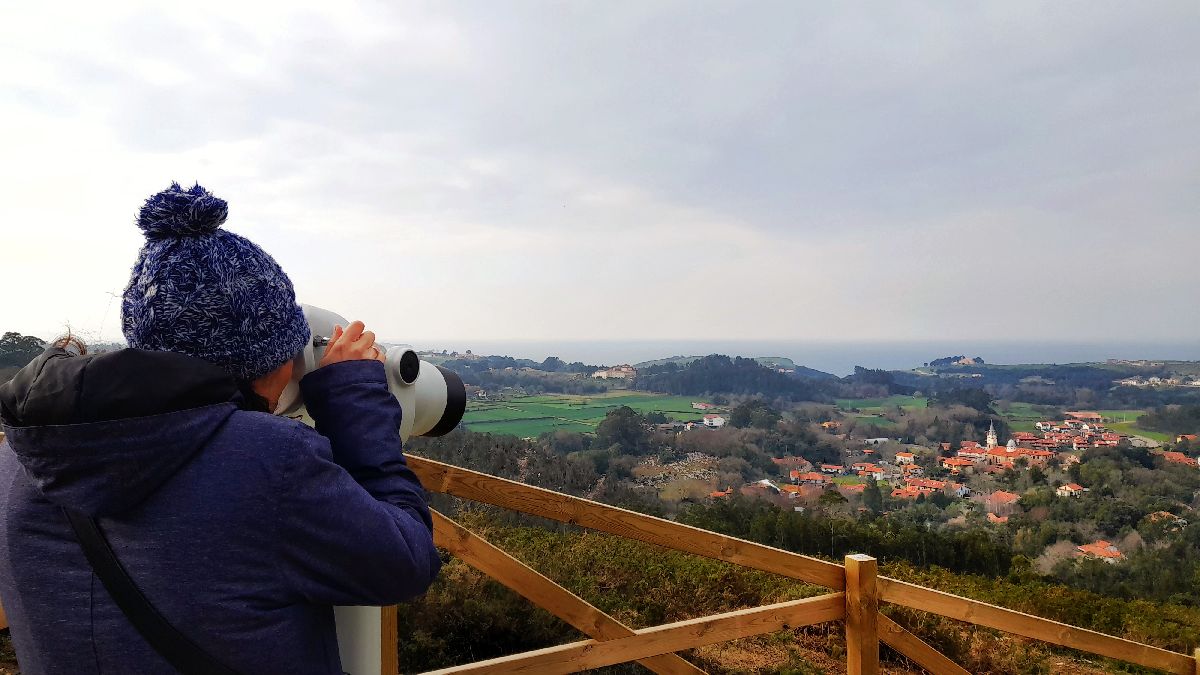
1173	420
467	617
720	374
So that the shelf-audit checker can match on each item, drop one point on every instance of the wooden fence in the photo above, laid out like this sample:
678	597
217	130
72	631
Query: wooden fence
856	593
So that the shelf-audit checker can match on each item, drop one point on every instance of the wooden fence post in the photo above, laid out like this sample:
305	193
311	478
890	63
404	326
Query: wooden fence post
862	610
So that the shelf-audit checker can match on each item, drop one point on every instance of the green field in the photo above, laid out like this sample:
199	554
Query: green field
878	405
1132	429
528	416
1021	417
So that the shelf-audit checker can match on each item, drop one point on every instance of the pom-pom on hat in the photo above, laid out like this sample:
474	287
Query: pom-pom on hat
202	291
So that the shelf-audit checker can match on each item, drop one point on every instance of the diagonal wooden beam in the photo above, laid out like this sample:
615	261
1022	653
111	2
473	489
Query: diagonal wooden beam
897	637
449	479
578	656
543	592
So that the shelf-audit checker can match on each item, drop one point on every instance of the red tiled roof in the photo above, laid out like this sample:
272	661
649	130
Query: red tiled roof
956	461
1178	458
1100	549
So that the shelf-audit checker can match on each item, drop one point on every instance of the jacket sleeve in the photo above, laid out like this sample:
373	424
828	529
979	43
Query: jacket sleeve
355	526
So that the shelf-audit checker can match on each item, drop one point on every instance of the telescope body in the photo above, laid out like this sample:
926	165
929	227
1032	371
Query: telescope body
432	402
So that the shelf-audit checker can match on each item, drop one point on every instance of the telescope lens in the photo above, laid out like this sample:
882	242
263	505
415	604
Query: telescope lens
456	404
410	366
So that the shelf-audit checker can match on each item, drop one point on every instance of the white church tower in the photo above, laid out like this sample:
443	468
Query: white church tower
992	441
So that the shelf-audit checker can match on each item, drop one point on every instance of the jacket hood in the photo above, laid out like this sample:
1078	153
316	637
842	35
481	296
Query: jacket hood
100	433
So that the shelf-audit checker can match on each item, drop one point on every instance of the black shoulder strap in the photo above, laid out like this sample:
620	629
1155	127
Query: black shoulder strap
184	655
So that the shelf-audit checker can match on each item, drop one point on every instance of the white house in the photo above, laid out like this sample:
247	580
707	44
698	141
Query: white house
714	421
1070	490
622	372
905	458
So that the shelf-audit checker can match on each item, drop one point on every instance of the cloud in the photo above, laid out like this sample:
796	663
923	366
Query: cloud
649	170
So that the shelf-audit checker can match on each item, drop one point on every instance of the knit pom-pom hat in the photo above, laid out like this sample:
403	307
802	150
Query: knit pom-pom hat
199	290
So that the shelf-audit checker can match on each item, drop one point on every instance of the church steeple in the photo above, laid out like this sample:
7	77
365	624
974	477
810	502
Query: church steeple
991	437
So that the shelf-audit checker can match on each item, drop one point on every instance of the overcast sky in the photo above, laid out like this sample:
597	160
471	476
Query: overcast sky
613	170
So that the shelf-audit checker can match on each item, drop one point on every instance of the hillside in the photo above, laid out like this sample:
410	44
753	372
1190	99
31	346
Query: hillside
467	617
765	361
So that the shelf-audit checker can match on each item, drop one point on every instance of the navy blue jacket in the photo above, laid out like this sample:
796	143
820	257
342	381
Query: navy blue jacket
241	528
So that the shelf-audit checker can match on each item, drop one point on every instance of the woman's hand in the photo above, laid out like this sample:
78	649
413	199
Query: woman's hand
352	344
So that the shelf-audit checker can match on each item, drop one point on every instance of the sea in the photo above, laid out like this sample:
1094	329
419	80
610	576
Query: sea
838	358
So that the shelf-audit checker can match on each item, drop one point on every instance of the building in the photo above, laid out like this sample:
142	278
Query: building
1160	516
905	458
1086	416
1001	502
792	463
1190	438
833	469
869	470
1178	458
831	426
925	485
1070	490
1100	550
993	518
992	441
696	405
957	464
621	372
714	421
809	478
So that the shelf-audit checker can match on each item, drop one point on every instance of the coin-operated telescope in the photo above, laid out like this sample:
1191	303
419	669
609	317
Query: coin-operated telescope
432	398
432	403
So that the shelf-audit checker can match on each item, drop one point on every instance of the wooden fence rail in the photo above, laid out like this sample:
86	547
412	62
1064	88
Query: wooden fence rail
863	591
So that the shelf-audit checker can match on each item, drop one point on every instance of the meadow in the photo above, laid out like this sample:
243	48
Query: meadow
530	416
879	405
1022	417
871	410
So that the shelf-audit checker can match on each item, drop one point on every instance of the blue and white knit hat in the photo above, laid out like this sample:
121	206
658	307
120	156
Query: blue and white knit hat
202	291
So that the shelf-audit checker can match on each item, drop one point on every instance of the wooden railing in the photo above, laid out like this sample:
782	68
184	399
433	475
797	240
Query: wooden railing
857	591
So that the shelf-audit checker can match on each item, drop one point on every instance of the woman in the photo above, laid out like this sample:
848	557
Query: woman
242	529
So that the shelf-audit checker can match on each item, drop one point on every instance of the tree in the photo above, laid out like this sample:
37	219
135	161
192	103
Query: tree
754	413
655	417
18	350
873	497
1036	475
830	498
625	428
553	364
971	398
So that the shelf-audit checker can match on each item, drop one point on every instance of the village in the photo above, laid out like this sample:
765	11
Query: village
969	474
